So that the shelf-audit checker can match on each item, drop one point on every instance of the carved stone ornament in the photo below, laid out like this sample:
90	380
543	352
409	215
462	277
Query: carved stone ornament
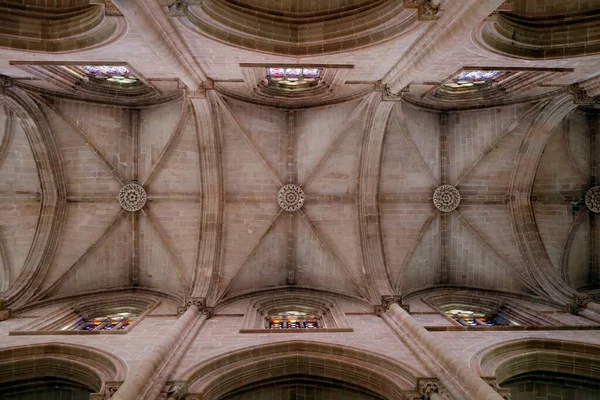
579	94
173	391
111	9
5	81
428	9
386	302
592	199
446	198
132	197
581	302
5	313
290	197
177	9
428	386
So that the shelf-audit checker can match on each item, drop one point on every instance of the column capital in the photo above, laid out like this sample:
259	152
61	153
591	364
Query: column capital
173	390
386	302
580	303
199	302
5	313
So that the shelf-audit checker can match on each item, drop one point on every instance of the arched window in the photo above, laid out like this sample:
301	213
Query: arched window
117	319
474	318
294	320
117	315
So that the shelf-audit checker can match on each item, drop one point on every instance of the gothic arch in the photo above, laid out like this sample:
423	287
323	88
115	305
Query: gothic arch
89	367
509	359
224	374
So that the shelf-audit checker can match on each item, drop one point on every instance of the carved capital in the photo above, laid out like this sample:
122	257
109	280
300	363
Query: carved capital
579	94
5	313
199	302
428	386
386	302
196	94
178	9
110	388
427	9
111	9
173	391
387	94
6	81
579	304
491	381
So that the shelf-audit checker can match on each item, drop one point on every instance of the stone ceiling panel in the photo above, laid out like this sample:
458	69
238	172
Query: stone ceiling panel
87	173
317	129
269	130
337	224
337	172
317	267
492	223
554	223
158	267
177	172
557	173
403	170
471	264
578	266
85	225
403	227
157	126
106	266
423	269
244	224
267	267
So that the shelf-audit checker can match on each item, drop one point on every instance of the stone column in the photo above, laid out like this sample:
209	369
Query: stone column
137	379
456	376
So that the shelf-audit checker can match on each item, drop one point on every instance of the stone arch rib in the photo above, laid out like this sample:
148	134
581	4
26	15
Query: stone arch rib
537	261
54	194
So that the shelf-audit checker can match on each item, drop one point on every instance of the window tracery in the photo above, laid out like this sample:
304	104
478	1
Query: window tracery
297	78
473	318
294	320
116	321
472	79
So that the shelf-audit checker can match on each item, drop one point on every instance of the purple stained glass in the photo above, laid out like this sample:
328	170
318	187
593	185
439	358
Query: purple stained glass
310	72
277	72
477	75
293	72
107	70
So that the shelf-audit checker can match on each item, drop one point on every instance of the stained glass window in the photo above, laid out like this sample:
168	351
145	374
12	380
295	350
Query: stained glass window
294	320
110	73
467	79
471	318
293	78
117	321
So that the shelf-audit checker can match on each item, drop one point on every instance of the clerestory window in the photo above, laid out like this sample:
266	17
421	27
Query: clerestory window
473	318
299	78
294	320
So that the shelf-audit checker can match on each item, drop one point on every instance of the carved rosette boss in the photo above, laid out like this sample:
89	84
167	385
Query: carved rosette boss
592	199
446	198
132	197
290	197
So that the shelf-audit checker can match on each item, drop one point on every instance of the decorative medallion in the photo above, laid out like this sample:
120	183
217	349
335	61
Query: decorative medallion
592	199
446	198
290	197
132	197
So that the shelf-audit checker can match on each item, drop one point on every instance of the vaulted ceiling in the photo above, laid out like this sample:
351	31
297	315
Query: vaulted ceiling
212	152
